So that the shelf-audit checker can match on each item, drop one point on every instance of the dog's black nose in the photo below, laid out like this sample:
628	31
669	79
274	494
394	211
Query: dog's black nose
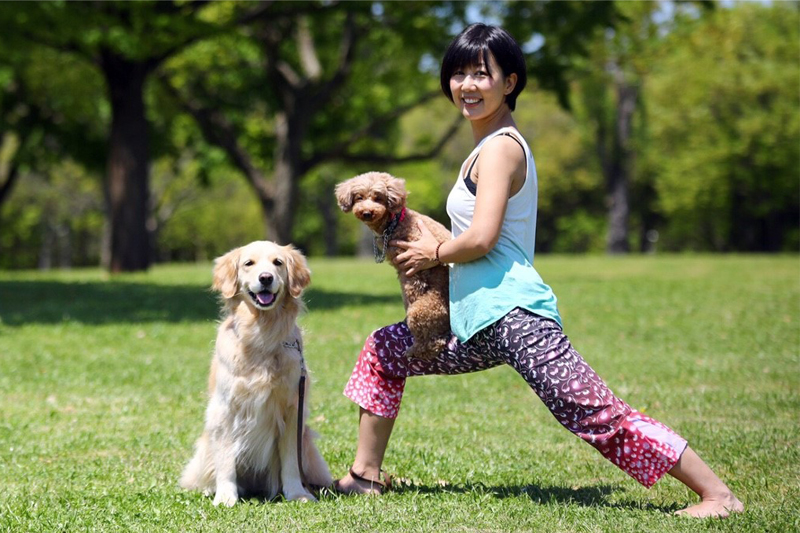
367	215
265	278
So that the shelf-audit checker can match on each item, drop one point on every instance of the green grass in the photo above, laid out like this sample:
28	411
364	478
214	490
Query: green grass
102	395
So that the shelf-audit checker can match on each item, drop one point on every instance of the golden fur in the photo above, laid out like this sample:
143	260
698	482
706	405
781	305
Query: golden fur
249	444
375	198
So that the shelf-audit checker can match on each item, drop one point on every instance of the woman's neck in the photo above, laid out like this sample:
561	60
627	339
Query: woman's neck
484	127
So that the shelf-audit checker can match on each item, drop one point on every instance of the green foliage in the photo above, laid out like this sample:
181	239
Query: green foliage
196	225
715	164
723	145
102	393
55	221
564	31
571	209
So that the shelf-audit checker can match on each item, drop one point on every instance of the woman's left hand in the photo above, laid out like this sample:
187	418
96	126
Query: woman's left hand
417	255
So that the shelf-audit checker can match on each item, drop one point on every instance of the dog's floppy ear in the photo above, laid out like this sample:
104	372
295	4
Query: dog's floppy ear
299	273
226	280
344	195
395	193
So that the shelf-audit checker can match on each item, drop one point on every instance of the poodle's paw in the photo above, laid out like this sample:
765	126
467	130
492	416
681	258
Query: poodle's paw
439	344
426	351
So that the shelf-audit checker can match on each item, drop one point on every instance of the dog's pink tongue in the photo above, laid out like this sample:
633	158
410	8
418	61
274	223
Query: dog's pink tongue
265	298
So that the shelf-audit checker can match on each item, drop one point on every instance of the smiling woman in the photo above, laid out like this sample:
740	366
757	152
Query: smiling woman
487	55
501	311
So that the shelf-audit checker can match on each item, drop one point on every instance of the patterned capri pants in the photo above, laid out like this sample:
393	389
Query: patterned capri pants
542	354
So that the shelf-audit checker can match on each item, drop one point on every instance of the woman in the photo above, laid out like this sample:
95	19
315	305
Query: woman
501	310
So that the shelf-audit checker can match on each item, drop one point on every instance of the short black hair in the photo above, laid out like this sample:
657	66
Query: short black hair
469	49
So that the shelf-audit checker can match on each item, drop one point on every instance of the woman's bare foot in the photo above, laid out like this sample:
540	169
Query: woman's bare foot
714	507
716	499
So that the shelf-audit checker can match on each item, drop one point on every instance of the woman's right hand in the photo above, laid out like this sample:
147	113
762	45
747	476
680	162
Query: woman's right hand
419	254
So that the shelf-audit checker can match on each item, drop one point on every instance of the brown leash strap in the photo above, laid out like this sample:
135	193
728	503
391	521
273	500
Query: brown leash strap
300	402
301	396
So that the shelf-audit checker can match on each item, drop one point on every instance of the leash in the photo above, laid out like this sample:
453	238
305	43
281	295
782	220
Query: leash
380	255
301	393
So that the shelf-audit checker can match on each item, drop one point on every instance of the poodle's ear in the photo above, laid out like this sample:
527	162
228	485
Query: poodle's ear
226	280
344	195
395	193
299	273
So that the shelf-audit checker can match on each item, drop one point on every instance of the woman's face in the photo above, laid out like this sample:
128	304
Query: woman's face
479	94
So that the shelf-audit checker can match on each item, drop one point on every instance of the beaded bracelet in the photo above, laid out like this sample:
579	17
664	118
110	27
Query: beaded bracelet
437	252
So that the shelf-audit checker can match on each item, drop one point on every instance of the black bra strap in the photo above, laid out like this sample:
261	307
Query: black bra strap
471	185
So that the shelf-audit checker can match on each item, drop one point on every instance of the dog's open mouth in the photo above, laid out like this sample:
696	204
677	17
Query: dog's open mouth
263	299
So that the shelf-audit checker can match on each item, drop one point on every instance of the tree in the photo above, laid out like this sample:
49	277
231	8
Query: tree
555	35
724	149
300	84
597	43
323	81
611	84
48	113
126	42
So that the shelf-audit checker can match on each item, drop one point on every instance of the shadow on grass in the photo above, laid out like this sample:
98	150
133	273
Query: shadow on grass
53	302
595	496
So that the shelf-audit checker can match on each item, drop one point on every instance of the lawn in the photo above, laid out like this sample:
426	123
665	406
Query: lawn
102	395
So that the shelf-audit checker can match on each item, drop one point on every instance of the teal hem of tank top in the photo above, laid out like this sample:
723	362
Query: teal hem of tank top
489	322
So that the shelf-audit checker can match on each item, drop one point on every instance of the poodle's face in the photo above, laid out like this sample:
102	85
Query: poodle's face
372	197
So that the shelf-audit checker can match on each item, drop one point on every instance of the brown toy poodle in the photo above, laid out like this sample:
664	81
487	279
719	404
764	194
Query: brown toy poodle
379	200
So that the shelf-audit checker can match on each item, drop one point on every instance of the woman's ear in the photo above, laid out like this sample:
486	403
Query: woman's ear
299	273
226	279
511	82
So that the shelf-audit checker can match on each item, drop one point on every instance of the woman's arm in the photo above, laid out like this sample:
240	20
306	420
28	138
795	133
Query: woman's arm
501	172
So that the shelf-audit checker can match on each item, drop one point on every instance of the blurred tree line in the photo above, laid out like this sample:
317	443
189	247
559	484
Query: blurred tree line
133	133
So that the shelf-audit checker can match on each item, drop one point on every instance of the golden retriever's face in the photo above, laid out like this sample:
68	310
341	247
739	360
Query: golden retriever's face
261	273
372	197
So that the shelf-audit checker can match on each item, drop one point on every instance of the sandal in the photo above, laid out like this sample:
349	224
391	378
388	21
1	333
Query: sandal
382	485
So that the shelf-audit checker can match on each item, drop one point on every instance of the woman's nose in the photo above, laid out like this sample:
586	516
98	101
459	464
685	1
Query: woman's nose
468	82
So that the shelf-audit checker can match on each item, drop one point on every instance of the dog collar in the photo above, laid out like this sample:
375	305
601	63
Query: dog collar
380	254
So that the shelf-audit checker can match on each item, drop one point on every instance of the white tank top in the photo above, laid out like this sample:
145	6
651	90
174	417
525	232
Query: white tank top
485	290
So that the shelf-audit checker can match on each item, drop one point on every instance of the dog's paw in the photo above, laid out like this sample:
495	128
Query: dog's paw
226	496
439	345
304	497
418	351
426	351
414	351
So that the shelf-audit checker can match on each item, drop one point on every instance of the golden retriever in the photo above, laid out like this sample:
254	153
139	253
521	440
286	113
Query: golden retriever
249	444
379	200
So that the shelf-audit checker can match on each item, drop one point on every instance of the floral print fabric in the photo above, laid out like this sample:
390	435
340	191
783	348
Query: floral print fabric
541	353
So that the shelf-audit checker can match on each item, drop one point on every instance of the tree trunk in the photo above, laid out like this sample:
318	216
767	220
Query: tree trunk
289	131
618	213
330	218
618	172
8	183
128	160
6	187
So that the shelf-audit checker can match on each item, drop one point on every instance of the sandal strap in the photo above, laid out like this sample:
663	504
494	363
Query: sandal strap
385	483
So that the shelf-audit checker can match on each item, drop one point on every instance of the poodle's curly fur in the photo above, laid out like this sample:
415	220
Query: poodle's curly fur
376	198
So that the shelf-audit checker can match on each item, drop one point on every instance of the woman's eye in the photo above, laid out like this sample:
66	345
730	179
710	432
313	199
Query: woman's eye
277	262
249	263
481	73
